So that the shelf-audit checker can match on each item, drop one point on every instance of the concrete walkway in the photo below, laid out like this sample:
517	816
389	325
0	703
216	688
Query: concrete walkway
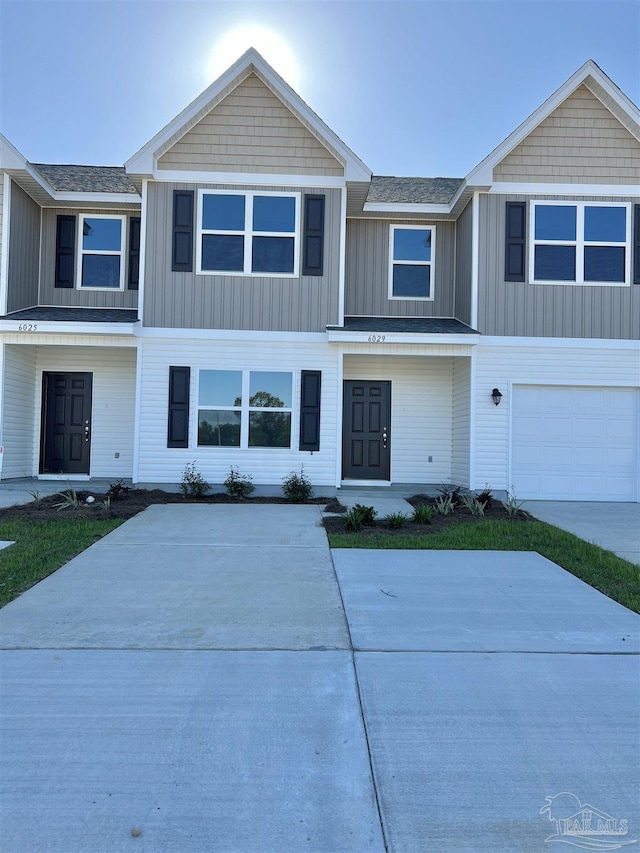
210	676
614	526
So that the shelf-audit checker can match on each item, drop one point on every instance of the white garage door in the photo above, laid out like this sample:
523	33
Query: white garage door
573	443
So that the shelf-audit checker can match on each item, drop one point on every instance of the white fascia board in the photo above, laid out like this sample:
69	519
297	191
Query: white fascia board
143	162
337	336
552	343
58	327
10	157
509	188
483	172
248	179
231	335
98	198
398	208
6	227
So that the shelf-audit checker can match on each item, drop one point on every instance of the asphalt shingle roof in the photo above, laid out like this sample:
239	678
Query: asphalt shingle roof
87	179
76	315
424	325
385	188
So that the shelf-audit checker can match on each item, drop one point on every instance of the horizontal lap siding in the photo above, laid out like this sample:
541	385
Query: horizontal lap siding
19	411
367	272
266	465
496	366
421	413
580	142
183	300
545	310
251	130
113	405
71	297
461	424
24	251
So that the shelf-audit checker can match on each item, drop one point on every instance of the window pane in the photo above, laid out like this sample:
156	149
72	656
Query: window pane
411	281
224	253
604	263
605	224
102	234
272	254
555	222
269	429
219	428
223	212
555	263
412	244
101	271
274	213
271	390
220	388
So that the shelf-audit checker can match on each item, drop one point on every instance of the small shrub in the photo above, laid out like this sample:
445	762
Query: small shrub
422	514
193	484
297	488
485	497
395	520
513	506
445	505
352	520
472	504
117	490
35	494
238	486
106	503
367	514
70	500
453	493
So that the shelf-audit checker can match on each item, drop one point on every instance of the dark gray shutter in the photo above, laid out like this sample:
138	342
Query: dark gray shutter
636	244
134	252
310	410
515	241
313	236
178	428
182	248
65	250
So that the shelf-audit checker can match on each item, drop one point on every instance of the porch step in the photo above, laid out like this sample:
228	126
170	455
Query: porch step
383	502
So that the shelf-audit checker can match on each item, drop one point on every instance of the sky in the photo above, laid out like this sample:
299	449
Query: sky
413	88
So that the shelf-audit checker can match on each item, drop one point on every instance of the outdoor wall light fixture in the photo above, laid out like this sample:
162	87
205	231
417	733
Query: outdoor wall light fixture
496	396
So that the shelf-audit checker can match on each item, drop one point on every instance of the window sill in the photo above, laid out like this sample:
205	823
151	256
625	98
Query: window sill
583	283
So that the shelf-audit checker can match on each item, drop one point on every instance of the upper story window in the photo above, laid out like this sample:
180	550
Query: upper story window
100	251
411	254
580	243
248	233
244	408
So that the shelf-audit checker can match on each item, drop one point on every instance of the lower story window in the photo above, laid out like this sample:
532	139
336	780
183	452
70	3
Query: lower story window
244	408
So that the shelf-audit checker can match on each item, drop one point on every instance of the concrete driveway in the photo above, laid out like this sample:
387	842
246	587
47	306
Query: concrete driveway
211	677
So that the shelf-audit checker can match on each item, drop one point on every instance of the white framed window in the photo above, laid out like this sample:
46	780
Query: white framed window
582	242
245	408
101	252
248	233
411	256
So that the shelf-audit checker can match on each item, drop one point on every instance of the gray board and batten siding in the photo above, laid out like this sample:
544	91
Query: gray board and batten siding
464	264
24	250
73	297
546	310
187	300
367	271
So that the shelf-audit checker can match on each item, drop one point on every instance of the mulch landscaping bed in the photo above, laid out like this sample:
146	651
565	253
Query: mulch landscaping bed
494	511
131	503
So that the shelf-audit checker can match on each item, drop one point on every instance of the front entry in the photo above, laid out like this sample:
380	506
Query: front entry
66	423
366	430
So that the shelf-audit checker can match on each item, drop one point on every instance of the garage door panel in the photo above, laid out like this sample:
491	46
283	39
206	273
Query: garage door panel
574	443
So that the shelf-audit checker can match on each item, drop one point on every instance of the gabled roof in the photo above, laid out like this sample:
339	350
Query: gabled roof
387	189
91	179
594	78
144	161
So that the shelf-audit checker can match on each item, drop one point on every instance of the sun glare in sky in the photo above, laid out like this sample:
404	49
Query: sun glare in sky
272	46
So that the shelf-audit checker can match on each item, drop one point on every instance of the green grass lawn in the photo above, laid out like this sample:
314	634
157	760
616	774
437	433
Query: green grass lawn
615	577
42	547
